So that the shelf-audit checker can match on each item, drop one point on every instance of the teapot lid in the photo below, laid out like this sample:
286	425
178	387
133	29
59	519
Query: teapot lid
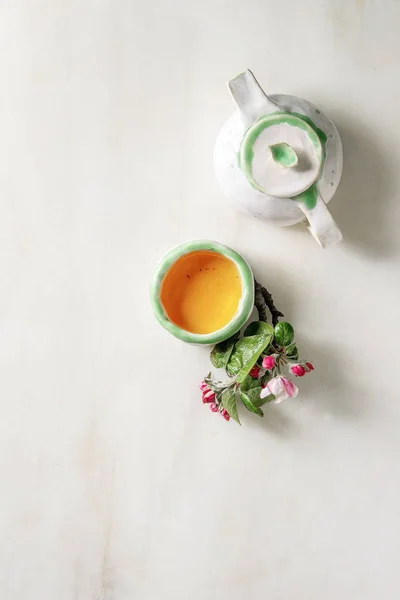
281	154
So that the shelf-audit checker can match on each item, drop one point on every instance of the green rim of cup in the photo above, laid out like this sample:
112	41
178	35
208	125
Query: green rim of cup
245	305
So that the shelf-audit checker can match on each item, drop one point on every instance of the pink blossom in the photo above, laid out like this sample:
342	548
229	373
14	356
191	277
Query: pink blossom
255	371
214	407
281	387
310	366
225	414
268	362
204	387
298	370
208	397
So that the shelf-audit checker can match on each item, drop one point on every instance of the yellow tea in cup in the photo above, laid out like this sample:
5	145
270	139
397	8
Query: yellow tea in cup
200	293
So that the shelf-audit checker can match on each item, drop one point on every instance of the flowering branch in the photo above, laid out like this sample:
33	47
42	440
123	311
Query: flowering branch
264	300
255	363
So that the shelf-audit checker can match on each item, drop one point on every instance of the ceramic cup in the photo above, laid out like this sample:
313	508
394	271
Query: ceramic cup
202	292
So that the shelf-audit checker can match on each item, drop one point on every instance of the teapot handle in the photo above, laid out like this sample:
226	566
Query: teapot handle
322	226
250	98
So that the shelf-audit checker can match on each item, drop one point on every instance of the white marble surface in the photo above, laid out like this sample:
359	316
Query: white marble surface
117	484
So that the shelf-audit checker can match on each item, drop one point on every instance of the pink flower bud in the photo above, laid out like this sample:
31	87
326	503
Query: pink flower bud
268	362
204	387
310	366
298	370
208	397
255	371
214	407
225	414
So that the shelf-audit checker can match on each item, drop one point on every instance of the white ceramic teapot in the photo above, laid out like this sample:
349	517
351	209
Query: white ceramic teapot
280	158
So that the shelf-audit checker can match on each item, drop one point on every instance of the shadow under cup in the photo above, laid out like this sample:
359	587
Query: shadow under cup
202	292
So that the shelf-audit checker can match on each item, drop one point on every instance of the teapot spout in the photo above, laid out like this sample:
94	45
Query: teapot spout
250	98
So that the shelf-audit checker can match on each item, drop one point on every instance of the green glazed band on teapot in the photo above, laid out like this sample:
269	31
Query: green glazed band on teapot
202	292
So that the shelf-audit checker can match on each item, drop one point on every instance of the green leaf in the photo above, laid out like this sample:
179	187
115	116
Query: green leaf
229	402
249	383
253	391
284	334
208	378
253	394
258	328
249	405
257	347
221	352
261	401
292	352
238	357
246	353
